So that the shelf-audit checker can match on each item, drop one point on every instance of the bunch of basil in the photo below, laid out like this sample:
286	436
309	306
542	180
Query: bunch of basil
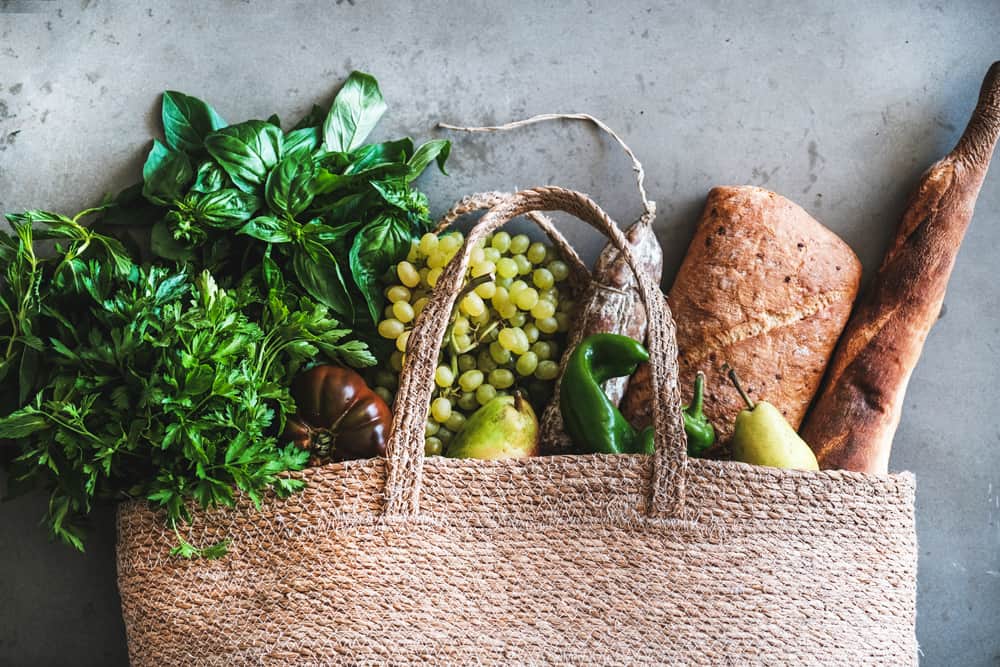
316	203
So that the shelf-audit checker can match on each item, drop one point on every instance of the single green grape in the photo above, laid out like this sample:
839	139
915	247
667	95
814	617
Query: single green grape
527	363
543	278
467	401
519	244
443	377
499	354
501	241
547	370
391	329
525	299
536	253
501	378
466	362
441	409
542	350
470	380
559	269
543	309
455	422
403	311
485	393
407	274
433	446
428	244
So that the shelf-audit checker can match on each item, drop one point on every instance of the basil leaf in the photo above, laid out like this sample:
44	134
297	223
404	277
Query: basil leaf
331	237
303	142
393	193
313	119
320	275
348	208
209	178
355	112
267	228
187	121
246	152
438	150
165	174
272	274
373	156
377	246
325	182
289	188
225	209
274	120
163	244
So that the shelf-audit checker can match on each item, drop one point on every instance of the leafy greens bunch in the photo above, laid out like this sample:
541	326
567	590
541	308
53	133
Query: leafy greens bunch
328	211
168	379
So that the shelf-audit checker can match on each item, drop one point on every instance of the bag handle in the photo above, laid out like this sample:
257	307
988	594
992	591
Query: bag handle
405	448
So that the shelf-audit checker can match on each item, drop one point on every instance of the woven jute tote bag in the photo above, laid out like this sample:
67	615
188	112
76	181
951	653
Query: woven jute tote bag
592	559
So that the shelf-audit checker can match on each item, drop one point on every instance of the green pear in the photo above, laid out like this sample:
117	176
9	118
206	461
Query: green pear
504	428
763	436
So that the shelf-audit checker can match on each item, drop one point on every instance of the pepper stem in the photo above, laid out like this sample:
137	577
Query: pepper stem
736	383
699	395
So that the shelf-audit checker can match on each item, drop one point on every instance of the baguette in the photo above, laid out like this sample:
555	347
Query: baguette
856	414
765	288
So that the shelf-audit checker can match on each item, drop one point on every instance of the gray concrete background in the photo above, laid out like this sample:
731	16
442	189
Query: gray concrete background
839	110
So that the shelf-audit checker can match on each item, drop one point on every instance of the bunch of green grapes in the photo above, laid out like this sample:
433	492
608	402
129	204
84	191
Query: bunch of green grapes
505	333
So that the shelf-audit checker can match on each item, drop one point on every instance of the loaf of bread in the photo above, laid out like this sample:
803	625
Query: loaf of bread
765	288
853	422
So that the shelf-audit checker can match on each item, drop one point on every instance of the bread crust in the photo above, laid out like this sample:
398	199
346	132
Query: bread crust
765	288
855	416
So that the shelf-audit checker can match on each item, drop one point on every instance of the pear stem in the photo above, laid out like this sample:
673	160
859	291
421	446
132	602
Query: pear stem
736	383
518	400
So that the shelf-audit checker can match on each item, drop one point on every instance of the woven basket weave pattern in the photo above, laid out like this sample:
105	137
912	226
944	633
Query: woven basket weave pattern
554	560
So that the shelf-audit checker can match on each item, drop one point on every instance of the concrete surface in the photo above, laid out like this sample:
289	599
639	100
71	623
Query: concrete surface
839	110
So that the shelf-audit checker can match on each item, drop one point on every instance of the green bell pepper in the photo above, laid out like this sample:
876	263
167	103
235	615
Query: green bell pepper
590	419
594	423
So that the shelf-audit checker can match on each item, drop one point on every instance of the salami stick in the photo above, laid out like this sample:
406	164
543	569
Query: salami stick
611	302
853	421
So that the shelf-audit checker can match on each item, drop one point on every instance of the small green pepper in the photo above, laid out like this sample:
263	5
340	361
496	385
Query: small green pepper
700	433
590	419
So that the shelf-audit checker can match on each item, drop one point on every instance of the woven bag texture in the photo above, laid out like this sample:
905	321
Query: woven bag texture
553	560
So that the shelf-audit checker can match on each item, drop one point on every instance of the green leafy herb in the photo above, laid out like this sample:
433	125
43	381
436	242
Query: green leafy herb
246	152
168	379
187	121
356	111
165	174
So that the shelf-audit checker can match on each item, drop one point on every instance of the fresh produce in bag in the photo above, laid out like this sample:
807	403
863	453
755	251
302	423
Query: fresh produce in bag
506	332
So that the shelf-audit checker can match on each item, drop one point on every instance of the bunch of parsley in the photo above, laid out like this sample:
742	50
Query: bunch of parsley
165	376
